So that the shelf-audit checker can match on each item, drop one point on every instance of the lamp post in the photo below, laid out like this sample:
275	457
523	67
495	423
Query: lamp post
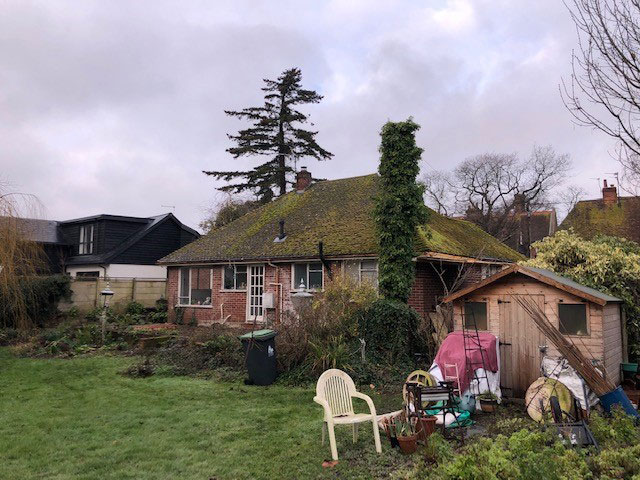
301	298
106	294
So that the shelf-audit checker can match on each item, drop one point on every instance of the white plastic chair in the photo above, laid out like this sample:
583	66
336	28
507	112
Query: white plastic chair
334	392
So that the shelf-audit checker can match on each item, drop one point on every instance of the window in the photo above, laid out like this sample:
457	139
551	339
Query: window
369	272
309	274
235	277
573	318
195	286
475	315
85	246
87	275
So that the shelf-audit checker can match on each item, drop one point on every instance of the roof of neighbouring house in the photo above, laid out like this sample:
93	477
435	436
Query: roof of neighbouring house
338	213
38	230
590	218
545	276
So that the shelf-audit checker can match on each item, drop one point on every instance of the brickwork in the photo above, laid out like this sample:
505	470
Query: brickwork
426	293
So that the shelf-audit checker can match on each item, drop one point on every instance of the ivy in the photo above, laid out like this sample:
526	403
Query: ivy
399	208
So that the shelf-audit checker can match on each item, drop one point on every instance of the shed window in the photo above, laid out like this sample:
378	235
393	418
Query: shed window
195	286
309	274
235	277
475	315
573	318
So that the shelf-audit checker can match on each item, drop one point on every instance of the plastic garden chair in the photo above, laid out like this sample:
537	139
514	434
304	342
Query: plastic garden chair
334	392
451	374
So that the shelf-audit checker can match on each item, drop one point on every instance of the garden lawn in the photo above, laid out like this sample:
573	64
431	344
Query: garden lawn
80	419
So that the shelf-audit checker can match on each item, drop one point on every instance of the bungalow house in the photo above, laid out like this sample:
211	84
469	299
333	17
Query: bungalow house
108	245
590	319
247	270
610	215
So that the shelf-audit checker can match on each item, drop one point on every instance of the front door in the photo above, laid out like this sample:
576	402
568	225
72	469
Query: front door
255	291
520	341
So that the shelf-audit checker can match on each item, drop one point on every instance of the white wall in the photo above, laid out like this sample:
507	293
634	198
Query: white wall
122	270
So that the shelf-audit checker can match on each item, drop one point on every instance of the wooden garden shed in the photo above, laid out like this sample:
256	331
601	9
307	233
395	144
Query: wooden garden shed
591	320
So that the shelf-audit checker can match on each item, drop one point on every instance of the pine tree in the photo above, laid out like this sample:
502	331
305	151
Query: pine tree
276	133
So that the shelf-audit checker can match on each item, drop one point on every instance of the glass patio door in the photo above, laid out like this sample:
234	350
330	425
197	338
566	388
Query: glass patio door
255	312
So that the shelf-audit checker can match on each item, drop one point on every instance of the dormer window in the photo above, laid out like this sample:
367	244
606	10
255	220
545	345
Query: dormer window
85	246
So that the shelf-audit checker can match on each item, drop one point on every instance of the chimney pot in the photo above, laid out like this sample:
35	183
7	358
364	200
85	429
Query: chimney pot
303	180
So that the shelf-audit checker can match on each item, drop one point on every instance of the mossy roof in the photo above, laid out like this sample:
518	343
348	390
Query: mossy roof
338	213
590	218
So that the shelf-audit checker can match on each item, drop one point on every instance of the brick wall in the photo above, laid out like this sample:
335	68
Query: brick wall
426	293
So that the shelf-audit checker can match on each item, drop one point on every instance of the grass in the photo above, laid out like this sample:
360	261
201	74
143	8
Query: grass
80	419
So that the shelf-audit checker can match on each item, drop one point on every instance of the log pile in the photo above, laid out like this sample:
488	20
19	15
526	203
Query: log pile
574	356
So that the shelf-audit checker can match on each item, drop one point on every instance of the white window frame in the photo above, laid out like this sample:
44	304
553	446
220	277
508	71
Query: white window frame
85	246
294	287
360	269
235	279
180	297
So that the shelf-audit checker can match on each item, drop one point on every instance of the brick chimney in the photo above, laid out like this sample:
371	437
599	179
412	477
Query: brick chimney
303	180
518	203
609	195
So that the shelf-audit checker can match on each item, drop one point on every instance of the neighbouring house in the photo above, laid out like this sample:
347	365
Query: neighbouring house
529	227
247	270
591	320
610	215
523	227
110	246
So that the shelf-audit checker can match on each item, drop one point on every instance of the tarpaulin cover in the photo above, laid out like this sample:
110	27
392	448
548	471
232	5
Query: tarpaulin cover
452	352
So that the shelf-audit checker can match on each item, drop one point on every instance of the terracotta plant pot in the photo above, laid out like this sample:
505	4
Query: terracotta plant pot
408	444
425	427
488	405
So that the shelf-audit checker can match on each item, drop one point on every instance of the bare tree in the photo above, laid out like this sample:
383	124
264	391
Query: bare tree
569	197
438	191
604	91
226	211
488	188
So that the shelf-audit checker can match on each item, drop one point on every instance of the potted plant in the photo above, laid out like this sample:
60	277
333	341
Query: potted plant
425	427
488	402
407	437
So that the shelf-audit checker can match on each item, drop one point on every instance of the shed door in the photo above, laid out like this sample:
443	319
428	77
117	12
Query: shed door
520	342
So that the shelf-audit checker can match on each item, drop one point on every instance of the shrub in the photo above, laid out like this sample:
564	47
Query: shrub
618	430
142	369
134	308
389	329
41	295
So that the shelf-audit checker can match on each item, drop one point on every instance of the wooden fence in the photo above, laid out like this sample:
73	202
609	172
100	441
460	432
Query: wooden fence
86	292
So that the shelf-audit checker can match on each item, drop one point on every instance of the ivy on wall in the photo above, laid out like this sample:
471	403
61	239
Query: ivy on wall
399	208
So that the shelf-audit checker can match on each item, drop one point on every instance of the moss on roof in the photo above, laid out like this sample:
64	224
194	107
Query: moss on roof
590	218
340	214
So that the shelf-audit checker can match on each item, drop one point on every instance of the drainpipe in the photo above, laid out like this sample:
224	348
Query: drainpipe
279	287
324	260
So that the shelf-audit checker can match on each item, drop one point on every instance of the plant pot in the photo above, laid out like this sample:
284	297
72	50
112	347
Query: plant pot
488	405
408	443
425	427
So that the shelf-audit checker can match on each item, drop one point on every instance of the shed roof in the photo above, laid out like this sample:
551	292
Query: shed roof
545	276
340	214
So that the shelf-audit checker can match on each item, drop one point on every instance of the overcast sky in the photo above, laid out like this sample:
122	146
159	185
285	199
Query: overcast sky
116	106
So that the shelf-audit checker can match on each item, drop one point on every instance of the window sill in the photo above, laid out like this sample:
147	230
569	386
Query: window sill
233	291
194	306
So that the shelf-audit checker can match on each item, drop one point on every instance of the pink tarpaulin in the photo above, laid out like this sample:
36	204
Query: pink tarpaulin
452	352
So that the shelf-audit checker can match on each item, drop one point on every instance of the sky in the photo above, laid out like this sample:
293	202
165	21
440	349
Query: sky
117	106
